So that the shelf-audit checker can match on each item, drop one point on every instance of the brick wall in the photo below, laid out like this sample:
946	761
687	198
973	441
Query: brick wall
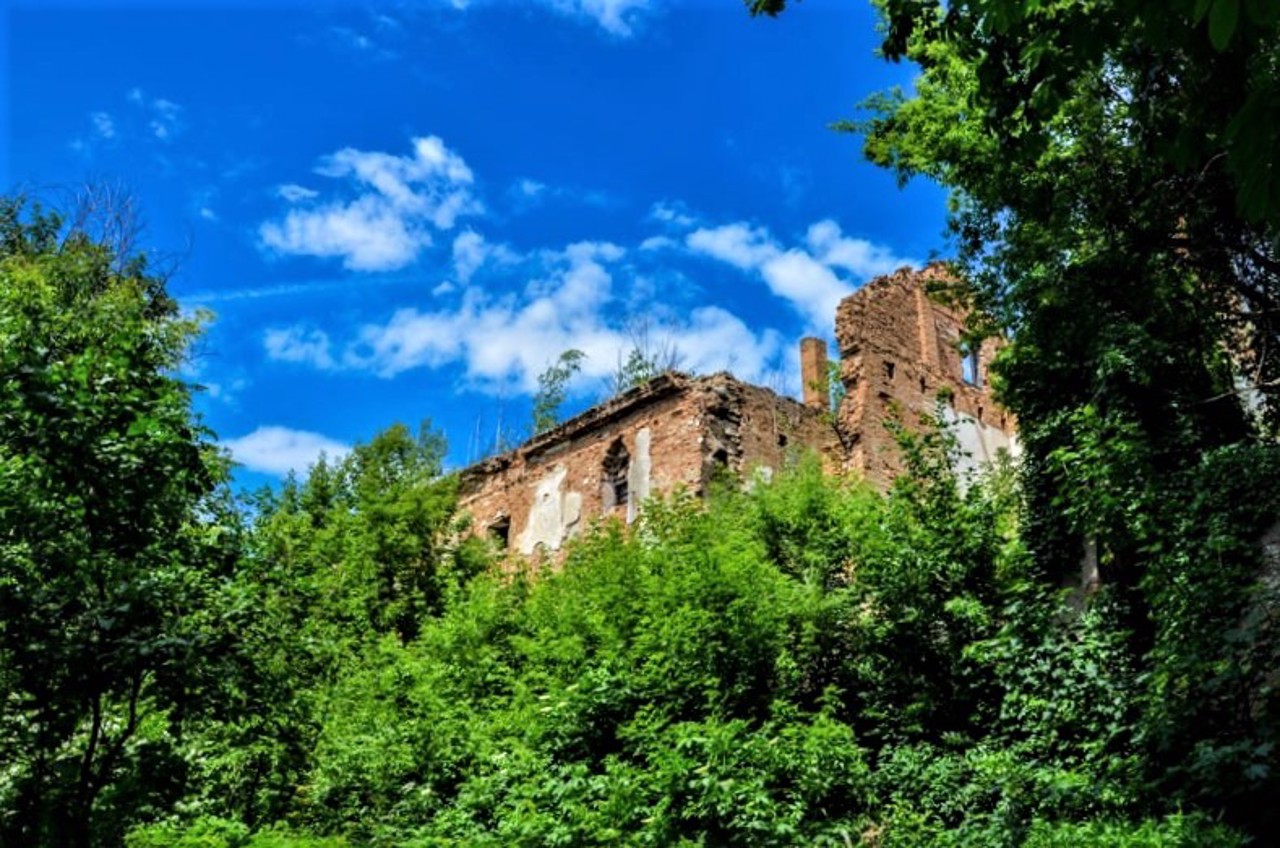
674	431
898	349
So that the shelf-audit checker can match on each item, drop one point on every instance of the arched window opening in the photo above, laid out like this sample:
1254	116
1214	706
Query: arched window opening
500	531
613	476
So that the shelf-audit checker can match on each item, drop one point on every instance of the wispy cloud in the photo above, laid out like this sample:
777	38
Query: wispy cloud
279	450
386	214
294	193
306	345
471	252
103	124
804	277
862	258
504	341
526	194
673	213
616	17
165	119
210	297
528	188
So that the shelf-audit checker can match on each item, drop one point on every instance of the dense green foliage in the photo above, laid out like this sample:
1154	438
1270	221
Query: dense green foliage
810	663
337	663
110	546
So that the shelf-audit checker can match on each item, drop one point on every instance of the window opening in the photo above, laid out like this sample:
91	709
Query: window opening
500	530
889	368
970	371
613	474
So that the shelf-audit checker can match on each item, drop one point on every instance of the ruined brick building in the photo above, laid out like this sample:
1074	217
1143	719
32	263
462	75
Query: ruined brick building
899	351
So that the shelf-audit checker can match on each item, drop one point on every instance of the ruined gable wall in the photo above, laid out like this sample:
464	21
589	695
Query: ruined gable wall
760	429
676	432
898	349
553	487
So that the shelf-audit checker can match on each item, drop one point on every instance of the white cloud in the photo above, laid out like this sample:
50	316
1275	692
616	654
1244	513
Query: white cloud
103	125
357	40
857	256
166	108
717	340
299	344
208	214
226	392
528	188
471	252
811	287
806	278
279	450
366	234
505	341
673	213
165	121
658	243
741	245
295	193
398	201
526	194
617	17
468	254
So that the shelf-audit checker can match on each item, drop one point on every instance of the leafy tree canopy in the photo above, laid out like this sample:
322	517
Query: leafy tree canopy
109	545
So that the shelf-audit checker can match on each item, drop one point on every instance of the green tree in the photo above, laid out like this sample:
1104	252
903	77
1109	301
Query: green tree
647	358
110	542
552	384
1115	203
361	550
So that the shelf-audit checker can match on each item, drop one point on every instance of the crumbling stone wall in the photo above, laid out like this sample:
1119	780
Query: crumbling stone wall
899	349
675	431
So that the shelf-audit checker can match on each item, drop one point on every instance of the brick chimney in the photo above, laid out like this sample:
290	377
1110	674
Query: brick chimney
813	373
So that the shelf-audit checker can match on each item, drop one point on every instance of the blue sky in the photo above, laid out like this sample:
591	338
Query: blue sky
406	210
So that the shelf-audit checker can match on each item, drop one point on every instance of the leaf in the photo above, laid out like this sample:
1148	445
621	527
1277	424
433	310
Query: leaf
1222	23
1261	12
1202	9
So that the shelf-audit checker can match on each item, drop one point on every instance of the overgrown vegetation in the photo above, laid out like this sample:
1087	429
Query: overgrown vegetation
809	663
552	387
336	663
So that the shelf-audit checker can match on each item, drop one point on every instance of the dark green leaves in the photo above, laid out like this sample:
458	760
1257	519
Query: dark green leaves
103	512
1223	16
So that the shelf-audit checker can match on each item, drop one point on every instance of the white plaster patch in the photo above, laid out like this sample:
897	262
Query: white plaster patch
980	443
547	514
638	475
572	512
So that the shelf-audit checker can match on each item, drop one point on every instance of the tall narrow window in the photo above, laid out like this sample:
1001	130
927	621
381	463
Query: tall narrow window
500	531
613	476
970	366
